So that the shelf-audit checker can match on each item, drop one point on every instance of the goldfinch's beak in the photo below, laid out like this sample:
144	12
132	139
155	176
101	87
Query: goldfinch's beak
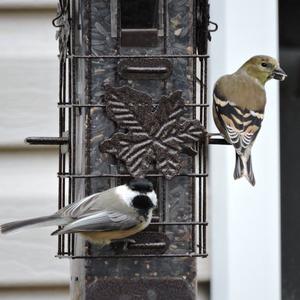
279	74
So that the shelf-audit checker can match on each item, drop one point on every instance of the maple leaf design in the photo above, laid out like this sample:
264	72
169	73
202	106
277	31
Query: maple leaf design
151	136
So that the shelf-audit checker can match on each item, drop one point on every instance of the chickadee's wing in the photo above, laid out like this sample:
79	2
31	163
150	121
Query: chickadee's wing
107	200
239	123
101	221
79	207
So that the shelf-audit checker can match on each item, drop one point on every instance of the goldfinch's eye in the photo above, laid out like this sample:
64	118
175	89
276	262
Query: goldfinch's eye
264	65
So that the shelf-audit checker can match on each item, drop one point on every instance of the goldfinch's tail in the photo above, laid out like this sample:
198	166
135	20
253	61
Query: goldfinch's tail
243	167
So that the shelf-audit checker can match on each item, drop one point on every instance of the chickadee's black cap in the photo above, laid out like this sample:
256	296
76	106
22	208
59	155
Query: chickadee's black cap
141	185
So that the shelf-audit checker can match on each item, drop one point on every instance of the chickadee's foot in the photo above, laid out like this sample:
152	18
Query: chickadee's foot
124	243
127	242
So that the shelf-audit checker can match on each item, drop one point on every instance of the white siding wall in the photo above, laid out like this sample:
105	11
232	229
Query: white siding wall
28	4
28	182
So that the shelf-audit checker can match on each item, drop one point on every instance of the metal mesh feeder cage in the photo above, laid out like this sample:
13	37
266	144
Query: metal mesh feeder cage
133	103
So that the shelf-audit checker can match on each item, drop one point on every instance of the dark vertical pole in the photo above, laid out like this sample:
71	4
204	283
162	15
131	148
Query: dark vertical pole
289	147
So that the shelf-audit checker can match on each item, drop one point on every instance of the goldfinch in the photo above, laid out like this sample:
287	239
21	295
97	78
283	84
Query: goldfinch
239	106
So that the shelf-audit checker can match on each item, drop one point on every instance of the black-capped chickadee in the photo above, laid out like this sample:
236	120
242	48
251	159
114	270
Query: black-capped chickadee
114	214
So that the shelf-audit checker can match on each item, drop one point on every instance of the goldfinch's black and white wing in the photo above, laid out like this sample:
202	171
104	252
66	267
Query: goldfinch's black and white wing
240	127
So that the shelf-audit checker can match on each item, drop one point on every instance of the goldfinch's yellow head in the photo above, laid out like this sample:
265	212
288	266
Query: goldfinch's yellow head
263	68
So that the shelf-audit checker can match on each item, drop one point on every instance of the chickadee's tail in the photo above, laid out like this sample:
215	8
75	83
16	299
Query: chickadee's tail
243	167
36	222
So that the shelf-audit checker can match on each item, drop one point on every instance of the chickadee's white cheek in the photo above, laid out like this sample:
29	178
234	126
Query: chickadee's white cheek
153	197
126	194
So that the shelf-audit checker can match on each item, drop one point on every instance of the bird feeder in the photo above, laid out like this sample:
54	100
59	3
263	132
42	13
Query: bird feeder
133	103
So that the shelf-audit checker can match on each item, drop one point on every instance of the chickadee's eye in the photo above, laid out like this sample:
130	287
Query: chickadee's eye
264	65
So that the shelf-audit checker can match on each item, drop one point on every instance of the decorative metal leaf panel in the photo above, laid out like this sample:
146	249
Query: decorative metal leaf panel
152	136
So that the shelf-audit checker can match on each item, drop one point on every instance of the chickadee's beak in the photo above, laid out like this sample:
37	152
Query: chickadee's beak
279	74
